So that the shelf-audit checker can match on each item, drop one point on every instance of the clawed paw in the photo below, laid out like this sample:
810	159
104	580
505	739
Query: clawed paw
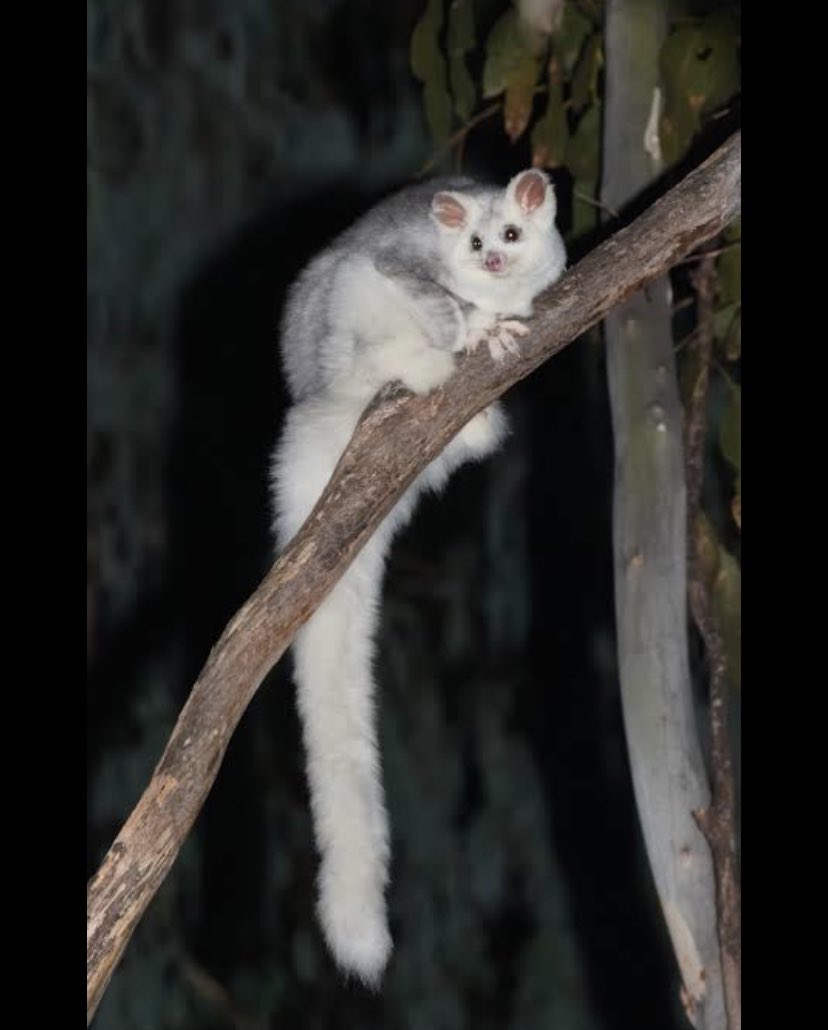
500	338
474	339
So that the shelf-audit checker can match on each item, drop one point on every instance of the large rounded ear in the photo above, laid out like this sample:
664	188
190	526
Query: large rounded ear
532	192
450	210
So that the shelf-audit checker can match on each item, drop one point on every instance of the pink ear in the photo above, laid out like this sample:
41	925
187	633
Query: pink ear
448	210
530	190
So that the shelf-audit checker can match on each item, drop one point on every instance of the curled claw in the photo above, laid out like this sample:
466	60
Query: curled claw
473	340
507	341
496	348
514	327
505	332
500	338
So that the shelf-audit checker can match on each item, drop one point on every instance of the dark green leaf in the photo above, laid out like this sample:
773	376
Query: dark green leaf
716	71
461	39
736	504
733	344
699	69
729	275
504	52
542	15
727	328
727	609
429	66
549	136
570	37
585	79
509	48
583	150
425	45
437	104
585	209
723	320
520	91
730	431
723	581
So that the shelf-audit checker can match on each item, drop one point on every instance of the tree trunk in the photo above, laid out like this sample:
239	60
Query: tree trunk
650	541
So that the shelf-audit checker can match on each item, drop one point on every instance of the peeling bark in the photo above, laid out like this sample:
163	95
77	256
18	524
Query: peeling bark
718	820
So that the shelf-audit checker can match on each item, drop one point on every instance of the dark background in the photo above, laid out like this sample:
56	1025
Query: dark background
226	144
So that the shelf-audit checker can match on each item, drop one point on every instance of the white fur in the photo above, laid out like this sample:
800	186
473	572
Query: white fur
333	655
535	261
349	328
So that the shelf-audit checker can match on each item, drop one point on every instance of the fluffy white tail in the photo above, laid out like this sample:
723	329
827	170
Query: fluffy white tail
333	659
333	656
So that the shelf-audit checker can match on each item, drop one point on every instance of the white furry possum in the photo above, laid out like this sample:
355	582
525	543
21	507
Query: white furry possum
433	270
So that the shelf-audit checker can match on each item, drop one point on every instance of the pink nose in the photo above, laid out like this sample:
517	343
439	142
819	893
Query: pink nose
495	261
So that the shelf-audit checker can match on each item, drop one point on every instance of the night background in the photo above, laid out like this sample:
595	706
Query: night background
227	143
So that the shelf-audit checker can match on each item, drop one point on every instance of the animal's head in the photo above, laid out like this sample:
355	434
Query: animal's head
497	234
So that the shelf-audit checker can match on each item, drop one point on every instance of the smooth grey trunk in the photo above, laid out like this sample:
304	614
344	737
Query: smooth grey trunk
650	540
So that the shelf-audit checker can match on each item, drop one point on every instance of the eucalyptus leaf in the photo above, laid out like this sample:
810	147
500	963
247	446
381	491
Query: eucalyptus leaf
723	320
722	580
730	430
717	71
574	29
707	550
734	230
736	504
541	15
727	329
504	52
585	78
549	135
733	344
437	103
699	67
729	274
690	368
429	66
584	147
677	127
520	92
461	39
425	41
727	610
584	212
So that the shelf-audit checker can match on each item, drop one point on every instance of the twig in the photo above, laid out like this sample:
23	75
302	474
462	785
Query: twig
702	254
717	820
587	199
397	437
723	372
680	305
685	341
215	994
457	137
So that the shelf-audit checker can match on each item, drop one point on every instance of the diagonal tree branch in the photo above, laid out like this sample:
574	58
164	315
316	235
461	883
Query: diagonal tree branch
396	438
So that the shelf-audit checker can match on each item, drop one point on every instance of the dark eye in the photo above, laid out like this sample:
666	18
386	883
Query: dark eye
511	233
476	243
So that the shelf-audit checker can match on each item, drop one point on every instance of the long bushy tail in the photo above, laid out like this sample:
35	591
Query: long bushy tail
333	662
333	656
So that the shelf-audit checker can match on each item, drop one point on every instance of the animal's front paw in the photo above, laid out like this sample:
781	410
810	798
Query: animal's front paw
474	339
501	338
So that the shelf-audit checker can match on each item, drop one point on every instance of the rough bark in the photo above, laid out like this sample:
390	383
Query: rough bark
649	529
718	820
396	438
